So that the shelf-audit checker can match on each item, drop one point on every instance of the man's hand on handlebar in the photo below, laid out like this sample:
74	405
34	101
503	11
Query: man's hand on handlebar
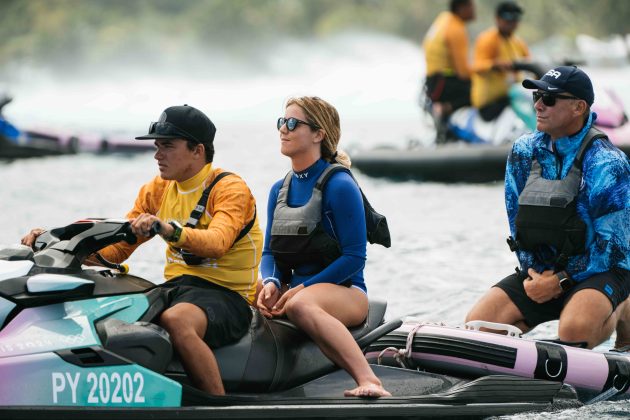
147	225
31	237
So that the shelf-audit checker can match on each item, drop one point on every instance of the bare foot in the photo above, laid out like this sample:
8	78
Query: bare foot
367	391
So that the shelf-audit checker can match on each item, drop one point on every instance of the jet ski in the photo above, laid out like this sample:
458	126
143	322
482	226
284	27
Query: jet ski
81	341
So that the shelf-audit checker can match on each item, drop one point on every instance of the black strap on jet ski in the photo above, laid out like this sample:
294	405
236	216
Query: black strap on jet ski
551	363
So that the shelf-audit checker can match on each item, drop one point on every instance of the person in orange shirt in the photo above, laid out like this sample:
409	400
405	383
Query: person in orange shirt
207	217
445	47
496	51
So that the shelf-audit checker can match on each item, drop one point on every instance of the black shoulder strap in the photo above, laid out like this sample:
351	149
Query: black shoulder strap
197	212
592	135
247	228
328	172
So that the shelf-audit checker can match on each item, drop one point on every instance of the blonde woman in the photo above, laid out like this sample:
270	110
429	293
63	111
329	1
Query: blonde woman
315	244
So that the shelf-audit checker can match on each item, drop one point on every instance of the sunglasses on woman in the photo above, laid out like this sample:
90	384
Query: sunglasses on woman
292	123
549	99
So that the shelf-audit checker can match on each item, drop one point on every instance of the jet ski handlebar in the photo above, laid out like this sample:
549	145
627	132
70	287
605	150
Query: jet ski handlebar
69	246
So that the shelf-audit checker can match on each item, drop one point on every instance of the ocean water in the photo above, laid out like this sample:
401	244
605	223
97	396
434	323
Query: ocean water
448	241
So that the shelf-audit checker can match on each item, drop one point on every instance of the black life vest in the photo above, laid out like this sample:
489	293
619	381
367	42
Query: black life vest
547	211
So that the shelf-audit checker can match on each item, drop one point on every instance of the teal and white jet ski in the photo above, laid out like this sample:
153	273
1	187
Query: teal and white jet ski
81	342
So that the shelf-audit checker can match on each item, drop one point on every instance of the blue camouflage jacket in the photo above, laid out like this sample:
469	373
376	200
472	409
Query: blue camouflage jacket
603	201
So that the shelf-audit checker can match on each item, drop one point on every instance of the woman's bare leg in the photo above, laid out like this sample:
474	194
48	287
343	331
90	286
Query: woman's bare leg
324	311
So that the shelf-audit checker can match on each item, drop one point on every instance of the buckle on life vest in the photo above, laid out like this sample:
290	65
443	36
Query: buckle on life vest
513	244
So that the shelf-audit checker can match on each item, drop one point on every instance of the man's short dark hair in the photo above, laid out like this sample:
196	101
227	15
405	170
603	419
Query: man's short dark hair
456	4
208	147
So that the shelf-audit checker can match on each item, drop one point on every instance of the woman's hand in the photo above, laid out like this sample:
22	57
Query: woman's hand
542	287
31	237
279	308
267	298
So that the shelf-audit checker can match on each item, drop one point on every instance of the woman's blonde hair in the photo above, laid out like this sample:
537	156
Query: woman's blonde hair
325	116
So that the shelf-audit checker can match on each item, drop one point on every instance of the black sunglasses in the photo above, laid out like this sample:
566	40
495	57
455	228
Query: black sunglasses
292	123
549	99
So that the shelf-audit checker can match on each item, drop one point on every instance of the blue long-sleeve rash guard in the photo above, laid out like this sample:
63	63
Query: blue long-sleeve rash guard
603	201
343	219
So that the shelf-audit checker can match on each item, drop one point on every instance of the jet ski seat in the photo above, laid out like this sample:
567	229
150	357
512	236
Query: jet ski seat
273	355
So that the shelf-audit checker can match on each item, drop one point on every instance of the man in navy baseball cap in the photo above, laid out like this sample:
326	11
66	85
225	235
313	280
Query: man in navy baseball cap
564	79
567	195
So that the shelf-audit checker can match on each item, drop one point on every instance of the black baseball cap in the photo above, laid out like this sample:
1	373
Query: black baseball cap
182	121
509	10
569	79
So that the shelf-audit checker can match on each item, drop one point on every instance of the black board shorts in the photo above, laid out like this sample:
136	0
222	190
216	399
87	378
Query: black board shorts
450	89
228	314
614	284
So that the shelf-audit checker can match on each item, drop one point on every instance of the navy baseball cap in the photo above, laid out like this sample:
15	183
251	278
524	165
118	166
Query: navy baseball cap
182	121
509	10
563	79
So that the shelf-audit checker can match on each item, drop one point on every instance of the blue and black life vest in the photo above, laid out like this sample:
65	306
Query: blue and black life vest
547	211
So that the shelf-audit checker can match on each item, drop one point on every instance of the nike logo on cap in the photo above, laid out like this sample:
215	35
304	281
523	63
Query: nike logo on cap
552	88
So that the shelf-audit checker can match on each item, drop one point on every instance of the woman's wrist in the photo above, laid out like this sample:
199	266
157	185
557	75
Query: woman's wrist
273	280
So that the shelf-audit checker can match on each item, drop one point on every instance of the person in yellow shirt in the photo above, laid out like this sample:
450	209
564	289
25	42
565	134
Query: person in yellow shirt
445	47
496	50
208	219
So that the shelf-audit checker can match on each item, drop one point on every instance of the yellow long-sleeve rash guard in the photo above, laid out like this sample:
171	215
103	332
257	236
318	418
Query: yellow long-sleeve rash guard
489	85
446	47
230	208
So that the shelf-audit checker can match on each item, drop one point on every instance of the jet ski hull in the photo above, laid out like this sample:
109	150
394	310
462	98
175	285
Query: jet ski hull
416	395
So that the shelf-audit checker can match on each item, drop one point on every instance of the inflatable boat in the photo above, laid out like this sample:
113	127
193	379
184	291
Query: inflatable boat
449	163
479	151
80	342
469	352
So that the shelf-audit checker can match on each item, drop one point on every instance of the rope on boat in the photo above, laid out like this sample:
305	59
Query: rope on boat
402	355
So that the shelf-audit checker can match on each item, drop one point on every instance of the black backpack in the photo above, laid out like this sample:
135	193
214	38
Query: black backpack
375	223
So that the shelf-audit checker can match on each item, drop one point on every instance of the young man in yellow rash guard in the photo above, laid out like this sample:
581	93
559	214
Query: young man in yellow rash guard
496	51
446	53
212	266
